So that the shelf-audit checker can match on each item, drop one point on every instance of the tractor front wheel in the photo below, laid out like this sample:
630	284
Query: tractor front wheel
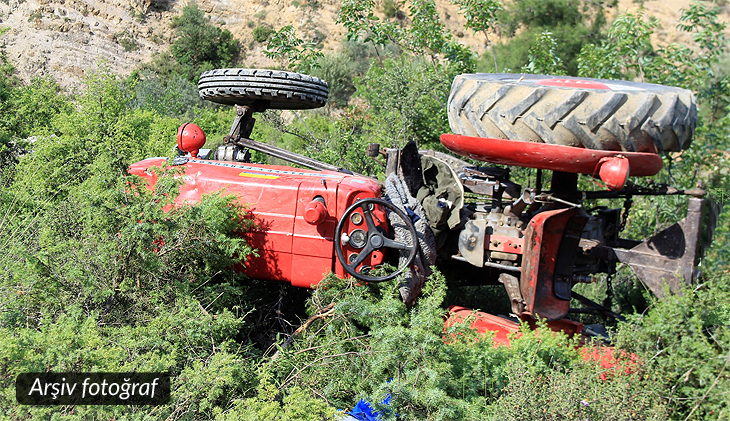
273	88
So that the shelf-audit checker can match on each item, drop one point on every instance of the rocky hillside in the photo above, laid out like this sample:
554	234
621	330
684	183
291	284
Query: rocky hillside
64	38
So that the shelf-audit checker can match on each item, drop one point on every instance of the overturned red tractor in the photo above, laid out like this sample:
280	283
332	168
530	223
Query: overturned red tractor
435	208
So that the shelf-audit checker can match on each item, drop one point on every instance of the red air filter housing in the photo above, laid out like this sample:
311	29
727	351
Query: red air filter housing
614	171
190	138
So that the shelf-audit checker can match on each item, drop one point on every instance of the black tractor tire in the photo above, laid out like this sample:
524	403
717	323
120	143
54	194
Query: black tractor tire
272	89
597	114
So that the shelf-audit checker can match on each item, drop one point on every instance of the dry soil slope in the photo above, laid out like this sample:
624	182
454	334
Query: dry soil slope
66	38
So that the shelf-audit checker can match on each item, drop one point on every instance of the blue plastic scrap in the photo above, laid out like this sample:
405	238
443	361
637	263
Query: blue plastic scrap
363	411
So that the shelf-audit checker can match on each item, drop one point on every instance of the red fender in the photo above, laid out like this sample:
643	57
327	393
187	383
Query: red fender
546	291
547	157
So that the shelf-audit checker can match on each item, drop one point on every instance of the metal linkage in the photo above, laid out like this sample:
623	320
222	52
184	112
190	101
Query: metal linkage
241	131
635	190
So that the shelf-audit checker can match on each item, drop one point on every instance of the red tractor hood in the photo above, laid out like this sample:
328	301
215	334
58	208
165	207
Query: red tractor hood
289	248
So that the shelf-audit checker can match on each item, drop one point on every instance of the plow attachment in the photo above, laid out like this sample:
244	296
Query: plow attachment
670	257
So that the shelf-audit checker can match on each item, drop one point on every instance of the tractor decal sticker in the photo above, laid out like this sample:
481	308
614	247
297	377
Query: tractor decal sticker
255	175
267	170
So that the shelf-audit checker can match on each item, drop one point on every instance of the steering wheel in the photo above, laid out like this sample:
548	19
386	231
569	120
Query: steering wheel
371	239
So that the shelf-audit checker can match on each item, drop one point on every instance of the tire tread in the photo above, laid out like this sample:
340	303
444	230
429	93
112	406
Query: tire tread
281	89
630	117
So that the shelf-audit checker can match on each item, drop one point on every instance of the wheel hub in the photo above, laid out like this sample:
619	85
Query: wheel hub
376	241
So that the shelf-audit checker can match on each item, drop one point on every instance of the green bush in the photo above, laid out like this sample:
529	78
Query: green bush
26	113
199	44
35	106
390	8
571	23
407	98
683	343
543	58
126	40
426	37
172	95
261	33
373	346
338	70
95	274
292	51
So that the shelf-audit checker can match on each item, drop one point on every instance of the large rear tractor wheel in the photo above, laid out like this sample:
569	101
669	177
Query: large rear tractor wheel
590	113
272	88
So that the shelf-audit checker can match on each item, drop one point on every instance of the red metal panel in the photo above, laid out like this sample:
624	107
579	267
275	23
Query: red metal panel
568	327
315	240
613	363
308	271
350	191
503	243
141	169
542	243
270	265
546	156
270	195
312	245
500	327
289	248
